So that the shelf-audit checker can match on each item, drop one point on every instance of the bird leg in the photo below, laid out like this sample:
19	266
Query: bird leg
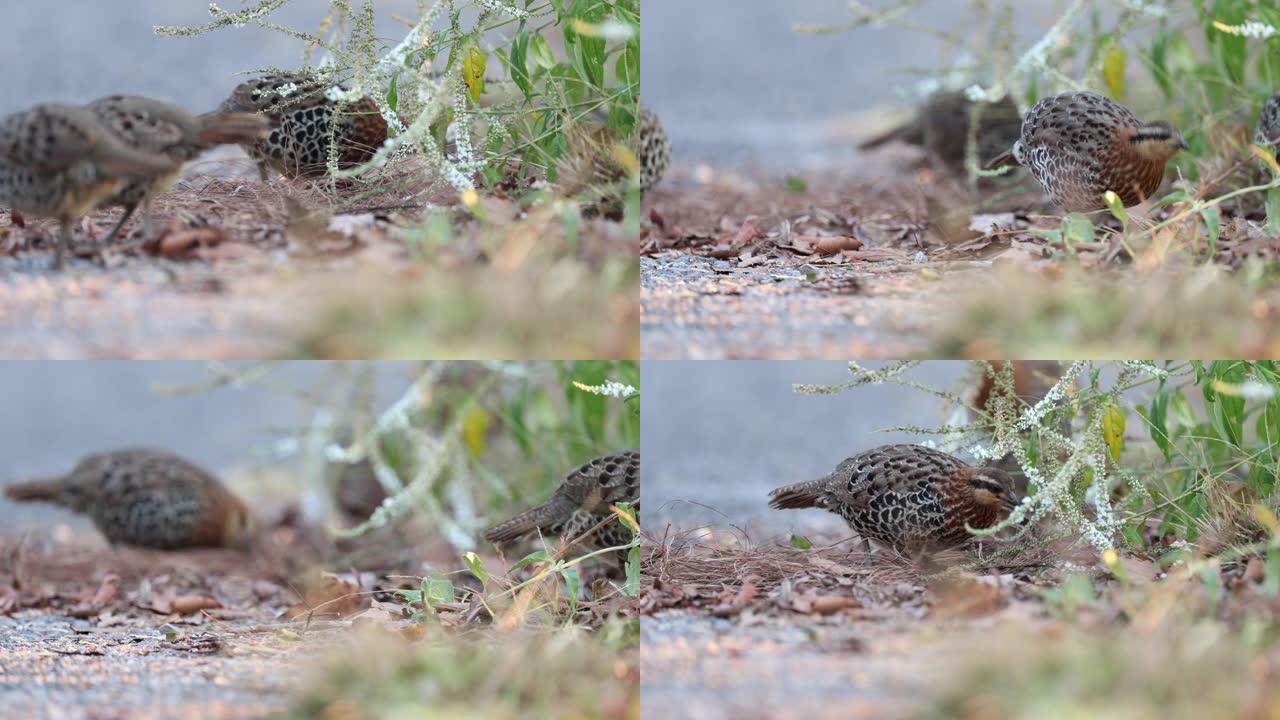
866	551
263	172
128	213
64	242
146	217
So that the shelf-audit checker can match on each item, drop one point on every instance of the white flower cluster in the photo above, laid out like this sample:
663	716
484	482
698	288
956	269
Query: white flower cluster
611	388
1248	29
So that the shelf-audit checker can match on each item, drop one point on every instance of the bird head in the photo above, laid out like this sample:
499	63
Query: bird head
1157	141
993	487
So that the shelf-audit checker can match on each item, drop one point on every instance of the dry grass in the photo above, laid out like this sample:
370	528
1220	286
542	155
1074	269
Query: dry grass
1123	314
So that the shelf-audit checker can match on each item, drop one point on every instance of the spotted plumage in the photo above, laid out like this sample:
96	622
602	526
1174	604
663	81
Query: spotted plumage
941	126
304	119
1268	132
1079	145
908	497
580	503
159	127
146	498
653	149
58	161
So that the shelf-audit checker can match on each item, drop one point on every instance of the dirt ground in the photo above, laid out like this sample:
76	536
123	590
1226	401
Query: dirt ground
891	257
768	631
241	269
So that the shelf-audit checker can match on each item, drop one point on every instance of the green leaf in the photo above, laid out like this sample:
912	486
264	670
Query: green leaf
518	61
393	94
800	542
1212	224
542	54
796	185
1076	229
632	588
437	590
536	556
1273	211
573	585
473	69
1116	206
476	566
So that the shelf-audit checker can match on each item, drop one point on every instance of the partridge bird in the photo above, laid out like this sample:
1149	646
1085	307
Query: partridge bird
158	127
302	119
580	503
146	498
1269	123
58	161
1080	145
941	126
908	497
653	148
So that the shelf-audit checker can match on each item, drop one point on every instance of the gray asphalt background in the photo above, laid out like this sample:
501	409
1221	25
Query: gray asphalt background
719	435
55	412
735	85
78	50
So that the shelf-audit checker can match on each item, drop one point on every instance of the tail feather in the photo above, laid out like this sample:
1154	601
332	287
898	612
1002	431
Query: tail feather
800	495
1004	159
516	527
36	490
217	128
911	133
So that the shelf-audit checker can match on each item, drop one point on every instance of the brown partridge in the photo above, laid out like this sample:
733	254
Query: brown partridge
1079	145
159	127
941	126
303	119
146	498
907	497
58	161
580	503
1269	123
653	149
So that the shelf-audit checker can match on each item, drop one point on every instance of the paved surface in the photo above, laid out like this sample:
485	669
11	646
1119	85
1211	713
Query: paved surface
56	412
75	51
735	84
719	435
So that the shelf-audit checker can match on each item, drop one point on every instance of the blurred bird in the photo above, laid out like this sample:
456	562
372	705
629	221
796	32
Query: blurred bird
146	498
908	497
1269	123
59	161
653	149
303	119
158	127
1079	145
580	503
941	126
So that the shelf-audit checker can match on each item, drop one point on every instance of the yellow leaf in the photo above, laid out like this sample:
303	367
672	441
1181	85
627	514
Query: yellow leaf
1110	557
470	198
473	72
475	428
626	157
1116	206
627	517
1113	63
1266	518
1113	431
1266	157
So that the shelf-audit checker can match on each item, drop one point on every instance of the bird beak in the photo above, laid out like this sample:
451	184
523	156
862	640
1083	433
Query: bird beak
1182	144
1010	501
